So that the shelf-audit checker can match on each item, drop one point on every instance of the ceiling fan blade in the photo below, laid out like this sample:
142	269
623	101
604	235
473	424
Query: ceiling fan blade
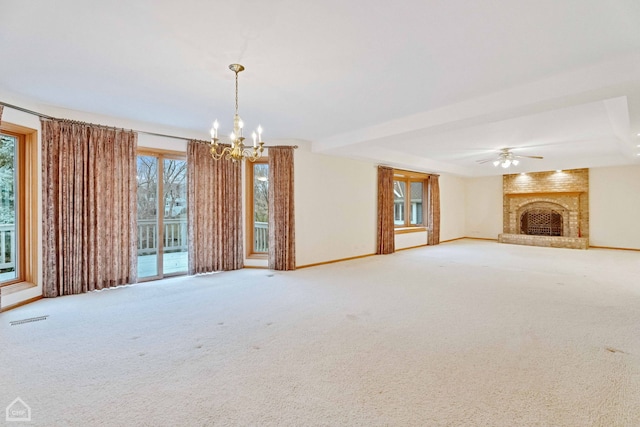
485	161
530	157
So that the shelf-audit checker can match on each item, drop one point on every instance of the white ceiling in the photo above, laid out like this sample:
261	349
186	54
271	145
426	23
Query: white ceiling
420	84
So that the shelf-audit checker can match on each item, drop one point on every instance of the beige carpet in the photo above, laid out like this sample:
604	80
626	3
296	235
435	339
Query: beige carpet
468	333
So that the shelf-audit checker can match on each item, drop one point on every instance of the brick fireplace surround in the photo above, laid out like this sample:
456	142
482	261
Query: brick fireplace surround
544	195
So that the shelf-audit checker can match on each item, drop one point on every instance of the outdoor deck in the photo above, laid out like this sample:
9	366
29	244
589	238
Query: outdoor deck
174	241
176	262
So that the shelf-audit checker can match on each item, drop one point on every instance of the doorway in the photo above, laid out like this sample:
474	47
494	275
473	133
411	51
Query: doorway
162	215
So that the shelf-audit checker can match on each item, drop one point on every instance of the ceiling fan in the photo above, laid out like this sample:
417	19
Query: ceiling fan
506	158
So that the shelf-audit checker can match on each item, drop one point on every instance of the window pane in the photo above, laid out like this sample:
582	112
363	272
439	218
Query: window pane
8	192
147	177
416	203
174	236
260	207
399	201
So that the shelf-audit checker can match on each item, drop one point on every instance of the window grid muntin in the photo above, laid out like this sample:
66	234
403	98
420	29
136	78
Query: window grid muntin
408	207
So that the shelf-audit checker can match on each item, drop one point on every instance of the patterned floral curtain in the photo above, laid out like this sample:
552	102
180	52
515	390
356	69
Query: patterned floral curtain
434	211
214	191
89	207
1	108
386	234
282	248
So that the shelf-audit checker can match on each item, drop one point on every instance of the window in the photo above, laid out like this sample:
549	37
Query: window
257	208
408	190
162	214
18	204
10	192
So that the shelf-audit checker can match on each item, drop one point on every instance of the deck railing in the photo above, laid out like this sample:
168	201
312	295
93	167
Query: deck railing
261	236
176	233
174	236
7	246
175	239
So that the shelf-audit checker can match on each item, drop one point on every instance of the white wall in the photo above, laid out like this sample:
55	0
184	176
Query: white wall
483	207
156	142
410	240
614	207
452	207
336	207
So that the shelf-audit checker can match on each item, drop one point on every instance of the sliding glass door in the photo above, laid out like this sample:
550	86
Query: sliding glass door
174	237
162	215
9	209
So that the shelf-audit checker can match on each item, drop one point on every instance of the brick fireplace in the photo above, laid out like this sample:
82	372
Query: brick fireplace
546	209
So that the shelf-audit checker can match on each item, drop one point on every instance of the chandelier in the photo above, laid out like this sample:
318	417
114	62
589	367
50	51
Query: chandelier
237	150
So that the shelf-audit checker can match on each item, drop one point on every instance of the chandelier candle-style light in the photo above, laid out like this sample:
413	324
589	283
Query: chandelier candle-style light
237	150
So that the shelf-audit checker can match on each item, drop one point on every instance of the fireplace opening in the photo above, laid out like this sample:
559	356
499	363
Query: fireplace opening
541	222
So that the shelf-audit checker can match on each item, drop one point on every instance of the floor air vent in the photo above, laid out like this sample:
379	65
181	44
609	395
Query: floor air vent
29	320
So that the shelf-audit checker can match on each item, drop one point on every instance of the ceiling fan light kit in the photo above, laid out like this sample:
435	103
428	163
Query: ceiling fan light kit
506	159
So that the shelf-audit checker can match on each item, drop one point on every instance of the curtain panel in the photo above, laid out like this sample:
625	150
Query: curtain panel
1	108
386	233
434	210
89	207
282	248
214	193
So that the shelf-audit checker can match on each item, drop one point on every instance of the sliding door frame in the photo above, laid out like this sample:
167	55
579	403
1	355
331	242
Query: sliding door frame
161	155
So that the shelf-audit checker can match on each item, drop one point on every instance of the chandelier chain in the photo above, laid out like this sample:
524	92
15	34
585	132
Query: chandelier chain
236	92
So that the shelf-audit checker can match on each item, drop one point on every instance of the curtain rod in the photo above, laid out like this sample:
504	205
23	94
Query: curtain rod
407	170
24	110
44	116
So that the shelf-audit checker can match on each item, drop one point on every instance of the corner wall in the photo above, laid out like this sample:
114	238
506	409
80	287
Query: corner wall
483	219
336	207
614	206
452	207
